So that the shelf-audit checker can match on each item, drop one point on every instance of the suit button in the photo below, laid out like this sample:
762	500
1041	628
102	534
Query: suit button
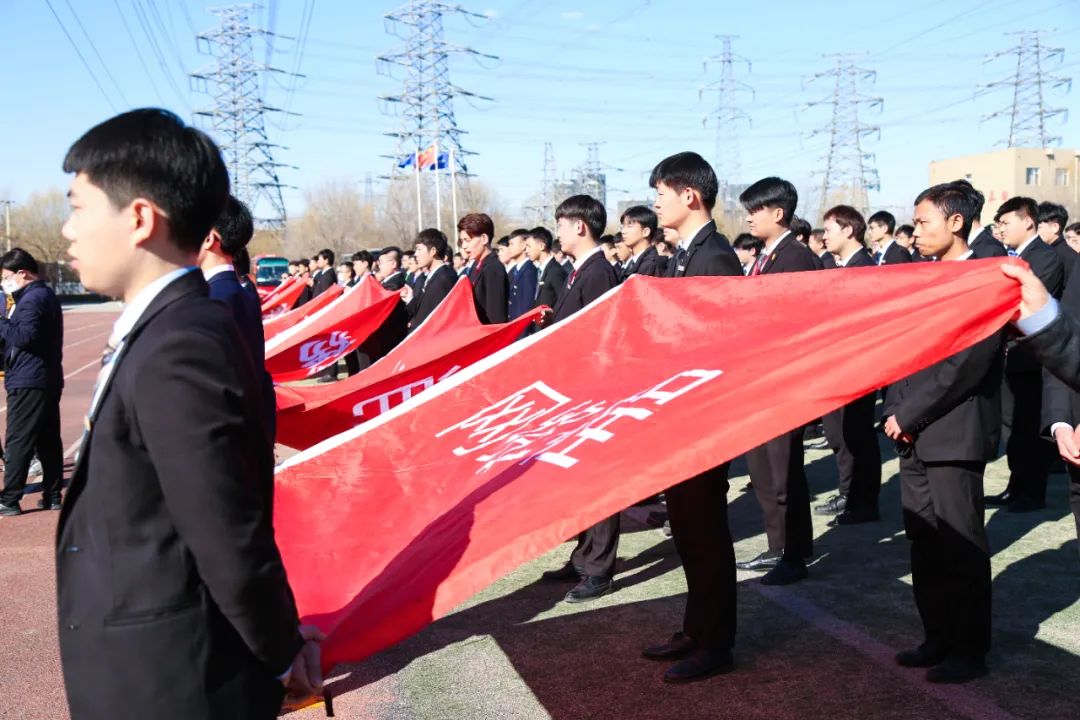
73	549
73	626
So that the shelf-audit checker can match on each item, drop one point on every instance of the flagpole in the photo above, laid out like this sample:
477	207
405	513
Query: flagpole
438	194
453	194
419	210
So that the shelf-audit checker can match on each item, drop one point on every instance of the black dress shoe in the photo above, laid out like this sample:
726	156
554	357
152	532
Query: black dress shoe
590	588
679	646
567	573
836	504
855	517
1000	500
924	656
786	572
10	510
53	504
699	665
821	444
957	670
1024	504
764	561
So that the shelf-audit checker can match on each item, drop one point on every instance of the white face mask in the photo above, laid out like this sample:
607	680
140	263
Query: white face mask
9	286
342	279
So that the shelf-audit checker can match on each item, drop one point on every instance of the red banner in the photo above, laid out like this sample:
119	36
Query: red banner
392	524
286	320
283	299
326	336
451	338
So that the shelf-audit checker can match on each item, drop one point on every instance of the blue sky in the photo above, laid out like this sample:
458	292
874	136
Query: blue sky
626	74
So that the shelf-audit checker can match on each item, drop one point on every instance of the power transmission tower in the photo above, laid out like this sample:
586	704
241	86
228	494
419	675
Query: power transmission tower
589	178
848	174
542	208
426	101
237	117
727	116
1028	114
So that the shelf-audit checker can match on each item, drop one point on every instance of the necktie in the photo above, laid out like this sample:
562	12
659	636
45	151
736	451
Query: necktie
570	282
759	264
1013	253
107	356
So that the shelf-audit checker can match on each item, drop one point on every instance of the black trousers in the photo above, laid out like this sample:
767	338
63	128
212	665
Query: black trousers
950	558
1074	497
851	435
33	426
1030	456
779	480
697	511
597	548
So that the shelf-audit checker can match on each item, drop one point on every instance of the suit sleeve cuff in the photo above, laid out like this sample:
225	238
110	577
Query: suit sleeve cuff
1055	426
1043	317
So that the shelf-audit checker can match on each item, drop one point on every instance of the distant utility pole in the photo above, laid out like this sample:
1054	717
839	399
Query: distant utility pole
848	174
1028	114
727	115
7	222
238	116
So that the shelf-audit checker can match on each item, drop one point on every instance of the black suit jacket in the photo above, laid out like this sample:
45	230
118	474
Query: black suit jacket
1060	403
861	258
491	290
432	292
985	245
1046	264
552	282
650	263
828	262
708	254
953	408
165	555
246	313
789	256
394	282
323	282
595	277
1066	253
895	255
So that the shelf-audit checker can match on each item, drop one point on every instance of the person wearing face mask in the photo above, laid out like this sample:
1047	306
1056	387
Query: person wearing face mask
33	338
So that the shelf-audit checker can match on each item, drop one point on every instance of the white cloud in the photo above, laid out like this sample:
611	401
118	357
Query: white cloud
573	15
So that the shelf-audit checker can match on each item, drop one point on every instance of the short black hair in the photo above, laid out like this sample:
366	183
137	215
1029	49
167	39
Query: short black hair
771	192
1052	212
504	241
396	254
542	234
954	198
362	256
235	227
435	241
746	241
883	217
587	209
848	217
1074	228
241	261
799	226
687	170
1022	206
519	232
326	254
303	261
556	247
17	259
906	230
151	153
643	216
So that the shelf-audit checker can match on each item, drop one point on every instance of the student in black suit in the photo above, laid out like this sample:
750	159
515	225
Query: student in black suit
491	285
579	221
389	262
686	189
748	249
1030	456
850	429
524	278
242	265
882	225
562	258
1052	221
229	236
432	249
640	229
303	269
946	421
324	277
905	238
190	586
362	262
346	276
776	467
551	274
802	231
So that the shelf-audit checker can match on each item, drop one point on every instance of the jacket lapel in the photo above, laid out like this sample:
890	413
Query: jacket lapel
696	243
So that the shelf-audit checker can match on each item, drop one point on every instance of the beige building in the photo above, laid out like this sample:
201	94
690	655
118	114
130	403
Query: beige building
1045	175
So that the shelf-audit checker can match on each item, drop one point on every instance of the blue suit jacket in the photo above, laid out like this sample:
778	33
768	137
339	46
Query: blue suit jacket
523	281
225	288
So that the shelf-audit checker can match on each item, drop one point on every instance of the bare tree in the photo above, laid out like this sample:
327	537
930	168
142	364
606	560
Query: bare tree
36	225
